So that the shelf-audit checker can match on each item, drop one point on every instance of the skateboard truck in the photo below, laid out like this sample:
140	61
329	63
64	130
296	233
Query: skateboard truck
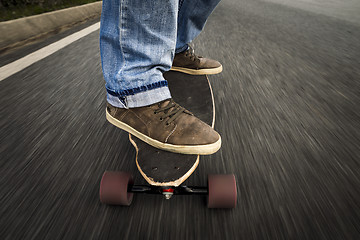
168	191
117	188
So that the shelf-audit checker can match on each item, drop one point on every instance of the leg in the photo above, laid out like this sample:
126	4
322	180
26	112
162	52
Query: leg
191	20
137	43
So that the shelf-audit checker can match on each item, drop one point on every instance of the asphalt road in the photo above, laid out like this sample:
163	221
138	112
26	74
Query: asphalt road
287	107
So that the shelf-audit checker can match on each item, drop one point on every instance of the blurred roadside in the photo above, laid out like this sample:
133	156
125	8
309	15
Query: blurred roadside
24	30
13	9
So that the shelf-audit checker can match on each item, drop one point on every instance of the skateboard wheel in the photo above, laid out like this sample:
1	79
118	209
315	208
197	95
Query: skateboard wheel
114	188
222	191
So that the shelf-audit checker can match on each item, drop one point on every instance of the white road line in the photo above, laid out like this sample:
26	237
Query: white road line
18	65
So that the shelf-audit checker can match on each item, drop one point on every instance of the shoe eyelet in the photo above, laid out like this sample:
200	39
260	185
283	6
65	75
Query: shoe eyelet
161	119
155	113
167	124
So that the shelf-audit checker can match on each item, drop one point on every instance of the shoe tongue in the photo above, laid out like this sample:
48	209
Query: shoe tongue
164	103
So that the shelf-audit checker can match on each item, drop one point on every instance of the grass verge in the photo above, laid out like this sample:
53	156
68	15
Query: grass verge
10	10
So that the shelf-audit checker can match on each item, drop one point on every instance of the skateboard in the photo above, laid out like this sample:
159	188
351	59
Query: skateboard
166	171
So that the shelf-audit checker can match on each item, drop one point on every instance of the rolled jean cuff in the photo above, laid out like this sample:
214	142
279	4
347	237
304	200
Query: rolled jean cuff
140	99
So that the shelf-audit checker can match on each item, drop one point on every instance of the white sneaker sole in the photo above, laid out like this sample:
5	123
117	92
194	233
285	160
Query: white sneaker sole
208	71
183	149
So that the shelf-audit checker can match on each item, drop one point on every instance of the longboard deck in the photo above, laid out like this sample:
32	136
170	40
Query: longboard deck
162	168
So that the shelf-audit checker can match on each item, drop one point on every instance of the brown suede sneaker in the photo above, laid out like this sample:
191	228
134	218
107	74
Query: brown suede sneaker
168	126
190	63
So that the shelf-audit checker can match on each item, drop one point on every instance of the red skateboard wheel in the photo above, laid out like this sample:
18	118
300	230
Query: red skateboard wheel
222	191
114	186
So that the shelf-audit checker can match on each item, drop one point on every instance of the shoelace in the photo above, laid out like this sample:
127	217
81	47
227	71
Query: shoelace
191	52
171	110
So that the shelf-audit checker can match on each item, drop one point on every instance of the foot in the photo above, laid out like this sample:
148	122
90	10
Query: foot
168	126
188	62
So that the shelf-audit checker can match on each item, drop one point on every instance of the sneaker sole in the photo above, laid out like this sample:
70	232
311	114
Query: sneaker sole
208	71
183	149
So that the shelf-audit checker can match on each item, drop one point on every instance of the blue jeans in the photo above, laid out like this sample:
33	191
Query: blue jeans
138	40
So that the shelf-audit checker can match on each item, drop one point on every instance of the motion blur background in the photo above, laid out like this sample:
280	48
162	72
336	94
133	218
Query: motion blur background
287	107
13	9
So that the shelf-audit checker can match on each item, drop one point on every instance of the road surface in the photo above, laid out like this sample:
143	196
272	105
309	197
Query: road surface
287	107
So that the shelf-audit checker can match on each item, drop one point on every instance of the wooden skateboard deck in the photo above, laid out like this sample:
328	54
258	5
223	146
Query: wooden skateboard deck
162	168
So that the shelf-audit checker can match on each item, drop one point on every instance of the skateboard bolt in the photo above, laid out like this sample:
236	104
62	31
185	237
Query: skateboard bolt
168	192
